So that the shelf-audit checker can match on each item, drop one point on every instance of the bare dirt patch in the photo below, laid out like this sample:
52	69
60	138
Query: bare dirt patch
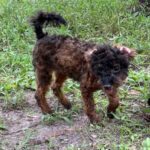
25	129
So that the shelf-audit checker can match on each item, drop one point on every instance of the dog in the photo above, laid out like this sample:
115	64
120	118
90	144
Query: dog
92	65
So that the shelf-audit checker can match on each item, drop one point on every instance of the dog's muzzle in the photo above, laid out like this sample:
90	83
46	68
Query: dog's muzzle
107	84
107	87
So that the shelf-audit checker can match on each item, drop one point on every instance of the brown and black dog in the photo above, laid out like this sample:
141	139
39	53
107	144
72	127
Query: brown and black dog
94	66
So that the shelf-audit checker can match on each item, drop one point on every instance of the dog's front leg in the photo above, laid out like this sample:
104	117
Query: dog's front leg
87	95
113	103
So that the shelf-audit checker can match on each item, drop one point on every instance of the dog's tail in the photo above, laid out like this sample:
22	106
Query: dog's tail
45	18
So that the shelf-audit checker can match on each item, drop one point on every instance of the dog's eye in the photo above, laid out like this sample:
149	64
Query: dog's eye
116	68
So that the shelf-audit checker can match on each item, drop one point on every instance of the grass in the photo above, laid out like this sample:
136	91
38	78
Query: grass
102	21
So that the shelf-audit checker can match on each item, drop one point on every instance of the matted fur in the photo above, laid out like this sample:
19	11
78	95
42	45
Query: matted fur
94	66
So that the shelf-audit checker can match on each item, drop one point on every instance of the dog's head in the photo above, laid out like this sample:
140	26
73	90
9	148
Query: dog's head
110	64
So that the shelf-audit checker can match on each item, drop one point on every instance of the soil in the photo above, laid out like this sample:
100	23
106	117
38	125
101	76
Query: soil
25	129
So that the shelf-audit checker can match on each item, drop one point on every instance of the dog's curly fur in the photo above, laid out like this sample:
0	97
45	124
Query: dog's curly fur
93	66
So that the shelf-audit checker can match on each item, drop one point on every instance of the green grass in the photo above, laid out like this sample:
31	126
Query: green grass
101	21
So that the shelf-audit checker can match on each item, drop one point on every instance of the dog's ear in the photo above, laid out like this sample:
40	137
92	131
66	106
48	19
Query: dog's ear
126	51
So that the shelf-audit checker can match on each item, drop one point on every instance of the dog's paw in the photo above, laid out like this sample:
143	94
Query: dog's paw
95	119
110	115
46	111
68	105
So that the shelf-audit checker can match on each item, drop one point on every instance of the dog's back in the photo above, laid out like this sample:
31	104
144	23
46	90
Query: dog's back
62	54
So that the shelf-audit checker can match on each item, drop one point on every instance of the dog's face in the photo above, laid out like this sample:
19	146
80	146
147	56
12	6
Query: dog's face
110	65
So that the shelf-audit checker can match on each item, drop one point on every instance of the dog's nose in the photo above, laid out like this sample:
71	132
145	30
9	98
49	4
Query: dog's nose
107	87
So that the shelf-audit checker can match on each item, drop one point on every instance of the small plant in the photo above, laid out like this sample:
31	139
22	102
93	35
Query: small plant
57	116
123	147
23	144
15	100
146	144
2	125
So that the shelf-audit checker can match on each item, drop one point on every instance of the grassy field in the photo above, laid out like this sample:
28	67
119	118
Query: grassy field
102	21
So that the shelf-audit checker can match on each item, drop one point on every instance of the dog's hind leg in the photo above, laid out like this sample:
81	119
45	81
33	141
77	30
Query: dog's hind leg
43	79
56	87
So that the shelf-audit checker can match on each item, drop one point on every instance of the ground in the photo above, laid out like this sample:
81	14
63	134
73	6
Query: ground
22	125
27	128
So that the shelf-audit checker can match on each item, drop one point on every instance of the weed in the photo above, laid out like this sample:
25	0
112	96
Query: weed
23	144
14	100
146	144
2	125
60	115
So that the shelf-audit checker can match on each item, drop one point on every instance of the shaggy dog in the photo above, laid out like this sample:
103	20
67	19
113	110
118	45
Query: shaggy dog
94	66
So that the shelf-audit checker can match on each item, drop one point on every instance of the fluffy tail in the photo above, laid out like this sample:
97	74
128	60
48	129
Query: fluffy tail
45	18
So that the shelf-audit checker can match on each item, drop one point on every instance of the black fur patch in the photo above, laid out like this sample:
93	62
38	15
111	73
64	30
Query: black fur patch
107	62
45	18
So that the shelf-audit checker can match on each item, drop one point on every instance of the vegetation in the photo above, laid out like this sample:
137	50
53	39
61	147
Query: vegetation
102	21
